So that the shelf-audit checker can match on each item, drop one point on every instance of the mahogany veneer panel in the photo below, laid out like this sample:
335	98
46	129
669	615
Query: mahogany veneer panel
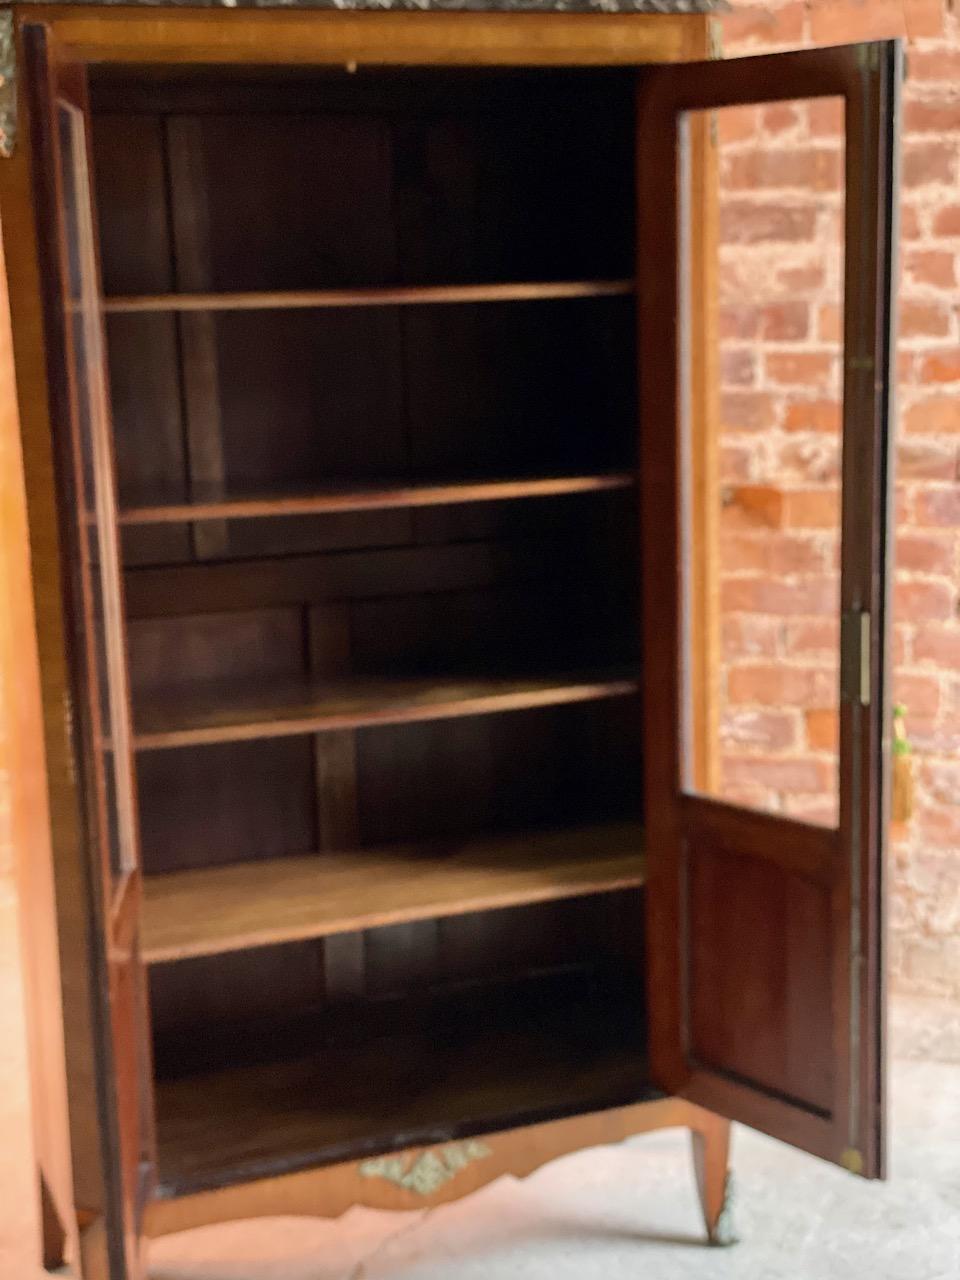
760	1014
481	1062
272	711
216	909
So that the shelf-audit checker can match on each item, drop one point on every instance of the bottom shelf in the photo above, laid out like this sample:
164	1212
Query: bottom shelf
464	1064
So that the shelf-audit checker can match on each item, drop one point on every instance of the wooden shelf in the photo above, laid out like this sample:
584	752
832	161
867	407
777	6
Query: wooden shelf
479	1062
400	296
237	715
375	496
251	904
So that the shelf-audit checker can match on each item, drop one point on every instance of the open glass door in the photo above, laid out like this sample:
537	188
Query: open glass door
764	770
114	1158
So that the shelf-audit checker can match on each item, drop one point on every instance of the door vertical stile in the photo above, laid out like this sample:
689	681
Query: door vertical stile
98	713
866	567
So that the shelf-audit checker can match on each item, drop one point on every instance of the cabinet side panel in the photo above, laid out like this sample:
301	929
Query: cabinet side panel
63	1025
22	690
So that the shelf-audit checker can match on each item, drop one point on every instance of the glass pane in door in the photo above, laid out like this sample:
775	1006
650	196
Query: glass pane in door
763	418
94	490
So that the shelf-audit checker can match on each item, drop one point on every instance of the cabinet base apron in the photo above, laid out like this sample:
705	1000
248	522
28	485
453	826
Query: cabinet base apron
425	1177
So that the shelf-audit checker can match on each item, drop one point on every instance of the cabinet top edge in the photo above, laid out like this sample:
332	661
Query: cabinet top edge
650	7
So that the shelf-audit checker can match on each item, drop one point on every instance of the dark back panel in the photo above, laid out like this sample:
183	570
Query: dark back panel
326	180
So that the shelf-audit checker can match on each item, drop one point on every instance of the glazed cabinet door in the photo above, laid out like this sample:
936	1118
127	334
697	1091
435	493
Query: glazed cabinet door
764	766
93	595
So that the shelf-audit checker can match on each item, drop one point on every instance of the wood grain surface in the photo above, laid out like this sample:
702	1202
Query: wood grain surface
215	909
271	712
408	296
377	496
474	1063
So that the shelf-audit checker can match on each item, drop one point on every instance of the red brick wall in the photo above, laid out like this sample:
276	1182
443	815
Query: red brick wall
781	268
780	194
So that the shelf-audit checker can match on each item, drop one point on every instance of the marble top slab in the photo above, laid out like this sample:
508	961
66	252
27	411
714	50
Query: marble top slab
475	6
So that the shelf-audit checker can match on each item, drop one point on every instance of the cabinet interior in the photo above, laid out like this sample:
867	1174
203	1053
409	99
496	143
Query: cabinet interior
372	350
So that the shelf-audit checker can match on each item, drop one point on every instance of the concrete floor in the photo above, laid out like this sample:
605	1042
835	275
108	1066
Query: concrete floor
611	1213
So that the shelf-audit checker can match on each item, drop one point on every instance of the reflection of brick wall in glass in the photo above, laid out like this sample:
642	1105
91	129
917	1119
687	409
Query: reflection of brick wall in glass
778	478
781	169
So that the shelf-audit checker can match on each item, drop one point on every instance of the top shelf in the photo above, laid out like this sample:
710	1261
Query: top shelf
402	296
265	710
377	495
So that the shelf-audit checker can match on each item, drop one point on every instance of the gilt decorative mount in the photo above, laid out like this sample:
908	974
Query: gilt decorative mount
428	1172
724	1232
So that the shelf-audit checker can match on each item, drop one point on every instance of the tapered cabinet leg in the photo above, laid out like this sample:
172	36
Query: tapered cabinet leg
711	1160
53	1236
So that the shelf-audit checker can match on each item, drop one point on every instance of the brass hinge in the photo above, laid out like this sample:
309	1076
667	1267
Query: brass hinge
855	656
852	1160
68	735
868	56
8	85
714	39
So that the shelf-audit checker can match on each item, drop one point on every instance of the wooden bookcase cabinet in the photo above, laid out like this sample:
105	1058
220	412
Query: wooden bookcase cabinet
362	857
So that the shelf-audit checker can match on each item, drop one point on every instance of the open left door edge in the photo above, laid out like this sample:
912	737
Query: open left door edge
107	1056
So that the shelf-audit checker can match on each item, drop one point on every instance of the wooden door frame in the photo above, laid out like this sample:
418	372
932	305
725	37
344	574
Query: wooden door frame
849	1130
